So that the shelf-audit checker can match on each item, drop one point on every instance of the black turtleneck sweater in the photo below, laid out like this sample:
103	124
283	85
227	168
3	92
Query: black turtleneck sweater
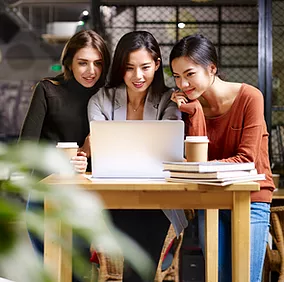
58	112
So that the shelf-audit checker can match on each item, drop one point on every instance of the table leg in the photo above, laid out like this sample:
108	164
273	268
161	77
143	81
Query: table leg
57	260
211	244
241	237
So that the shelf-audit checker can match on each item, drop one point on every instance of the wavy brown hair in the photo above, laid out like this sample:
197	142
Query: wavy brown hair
82	39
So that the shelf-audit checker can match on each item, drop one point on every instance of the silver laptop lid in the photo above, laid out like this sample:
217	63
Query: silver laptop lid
135	148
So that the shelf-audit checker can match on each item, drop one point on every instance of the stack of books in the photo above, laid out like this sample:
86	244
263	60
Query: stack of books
211	173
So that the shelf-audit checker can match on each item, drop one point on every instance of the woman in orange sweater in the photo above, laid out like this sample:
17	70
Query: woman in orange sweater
231	115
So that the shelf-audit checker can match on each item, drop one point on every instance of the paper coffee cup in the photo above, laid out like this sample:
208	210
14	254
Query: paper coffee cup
69	148
196	148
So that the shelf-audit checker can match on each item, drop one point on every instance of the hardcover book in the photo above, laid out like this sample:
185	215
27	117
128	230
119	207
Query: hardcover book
212	175
218	182
207	166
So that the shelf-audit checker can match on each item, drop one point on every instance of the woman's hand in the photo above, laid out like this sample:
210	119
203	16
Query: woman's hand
86	148
179	98
191	107
80	162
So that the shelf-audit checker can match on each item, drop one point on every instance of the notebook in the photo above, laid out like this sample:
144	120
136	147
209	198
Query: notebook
203	167
134	148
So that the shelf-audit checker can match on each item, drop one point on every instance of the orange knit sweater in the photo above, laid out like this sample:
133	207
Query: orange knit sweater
239	135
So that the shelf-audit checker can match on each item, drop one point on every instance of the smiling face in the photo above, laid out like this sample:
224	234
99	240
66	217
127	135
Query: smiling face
140	71
193	79
87	66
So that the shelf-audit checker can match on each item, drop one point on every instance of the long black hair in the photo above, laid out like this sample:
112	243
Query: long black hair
128	43
198	48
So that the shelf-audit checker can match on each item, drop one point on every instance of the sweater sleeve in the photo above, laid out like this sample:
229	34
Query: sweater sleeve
195	120
32	126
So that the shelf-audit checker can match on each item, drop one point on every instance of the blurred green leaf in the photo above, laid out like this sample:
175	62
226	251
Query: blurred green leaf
22	166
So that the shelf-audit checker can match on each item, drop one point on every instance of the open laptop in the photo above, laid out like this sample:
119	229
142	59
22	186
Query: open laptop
134	148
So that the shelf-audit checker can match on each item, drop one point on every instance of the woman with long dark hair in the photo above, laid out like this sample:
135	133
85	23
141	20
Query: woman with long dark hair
232	116
136	91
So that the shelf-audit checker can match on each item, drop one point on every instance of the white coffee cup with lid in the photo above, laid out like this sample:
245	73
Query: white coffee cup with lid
69	148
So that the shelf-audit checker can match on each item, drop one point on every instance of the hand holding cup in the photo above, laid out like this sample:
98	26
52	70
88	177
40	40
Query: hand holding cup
80	162
77	159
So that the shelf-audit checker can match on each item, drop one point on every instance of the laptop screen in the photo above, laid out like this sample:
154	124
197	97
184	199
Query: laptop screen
135	148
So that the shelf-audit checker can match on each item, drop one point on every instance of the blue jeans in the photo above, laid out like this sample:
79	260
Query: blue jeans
259	227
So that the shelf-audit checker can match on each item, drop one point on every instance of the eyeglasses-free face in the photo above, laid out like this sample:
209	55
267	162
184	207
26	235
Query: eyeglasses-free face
140	71
87	66
193	79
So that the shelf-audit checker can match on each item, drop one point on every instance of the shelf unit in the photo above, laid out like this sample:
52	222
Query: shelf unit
54	39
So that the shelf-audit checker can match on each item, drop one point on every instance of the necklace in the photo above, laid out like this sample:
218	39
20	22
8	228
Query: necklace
135	110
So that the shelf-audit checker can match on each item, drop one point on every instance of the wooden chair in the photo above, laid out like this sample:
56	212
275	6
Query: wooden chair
112	269
108	269
172	272
102	273
274	258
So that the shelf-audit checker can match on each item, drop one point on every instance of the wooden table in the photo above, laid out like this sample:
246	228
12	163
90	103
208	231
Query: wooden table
159	195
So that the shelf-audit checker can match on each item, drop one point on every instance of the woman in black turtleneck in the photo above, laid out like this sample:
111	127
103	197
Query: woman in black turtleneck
58	109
